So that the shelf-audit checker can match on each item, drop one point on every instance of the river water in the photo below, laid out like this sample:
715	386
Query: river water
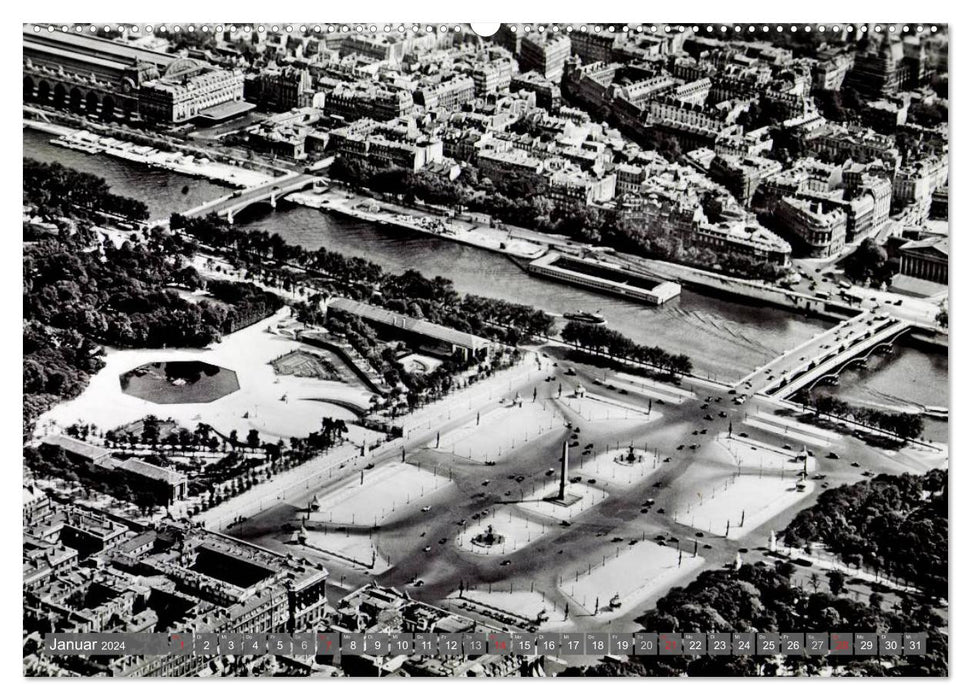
725	339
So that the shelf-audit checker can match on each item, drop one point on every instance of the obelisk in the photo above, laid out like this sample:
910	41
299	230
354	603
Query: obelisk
563	469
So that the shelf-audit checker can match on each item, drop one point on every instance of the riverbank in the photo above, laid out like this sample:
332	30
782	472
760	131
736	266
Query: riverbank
175	161
375	211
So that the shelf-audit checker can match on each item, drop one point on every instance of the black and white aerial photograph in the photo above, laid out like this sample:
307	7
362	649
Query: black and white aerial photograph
519	350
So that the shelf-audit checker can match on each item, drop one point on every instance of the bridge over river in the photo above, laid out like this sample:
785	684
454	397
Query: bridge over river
825	355
231	205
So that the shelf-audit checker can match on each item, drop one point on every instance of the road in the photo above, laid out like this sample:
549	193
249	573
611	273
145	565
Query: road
420	545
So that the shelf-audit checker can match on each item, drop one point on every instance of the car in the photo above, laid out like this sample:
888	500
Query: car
418	583
564	523
649	502
658	484
624	391
486	482
632	542
550	472
617	539
507	493
855	464
591	481
519	479
667	459
699	534
708	417
443	540
819	477
461	522
645	510
722	414
832	455
694	432
490	463
706	546
425	509
705	431
680	447
787	446
868	473
505	562
589	446
660	511
427	549
570	372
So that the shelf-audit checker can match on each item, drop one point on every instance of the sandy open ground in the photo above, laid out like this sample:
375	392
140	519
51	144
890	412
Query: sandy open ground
605	467
589	497
358	548
638	572
388	491
524	604
594	407
761	499
501	431
751	454
516	530
651	388
259	398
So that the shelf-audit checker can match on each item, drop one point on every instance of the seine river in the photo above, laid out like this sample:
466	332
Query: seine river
725	339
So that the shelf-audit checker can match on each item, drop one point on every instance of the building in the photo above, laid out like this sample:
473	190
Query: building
498	165
742	175
491	77
447	95
604	277
594	47
423	335
280	89
817	227
356	101
171	577
547	92
88	74
926	259
189	89
546	54
163	484
747	239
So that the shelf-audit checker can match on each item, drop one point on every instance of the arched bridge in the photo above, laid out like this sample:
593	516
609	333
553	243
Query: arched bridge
233	204
832	362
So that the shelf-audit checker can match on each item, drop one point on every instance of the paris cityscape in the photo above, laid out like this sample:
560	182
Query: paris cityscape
575	331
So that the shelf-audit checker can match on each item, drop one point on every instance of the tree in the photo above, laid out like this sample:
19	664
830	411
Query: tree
837	582
253	439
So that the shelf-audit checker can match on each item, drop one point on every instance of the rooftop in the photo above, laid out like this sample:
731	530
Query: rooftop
414	325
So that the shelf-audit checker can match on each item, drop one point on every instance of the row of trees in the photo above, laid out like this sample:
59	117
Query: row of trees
80	294
433	299
602	340
525	201
906	426
897	525
53	190
767	598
